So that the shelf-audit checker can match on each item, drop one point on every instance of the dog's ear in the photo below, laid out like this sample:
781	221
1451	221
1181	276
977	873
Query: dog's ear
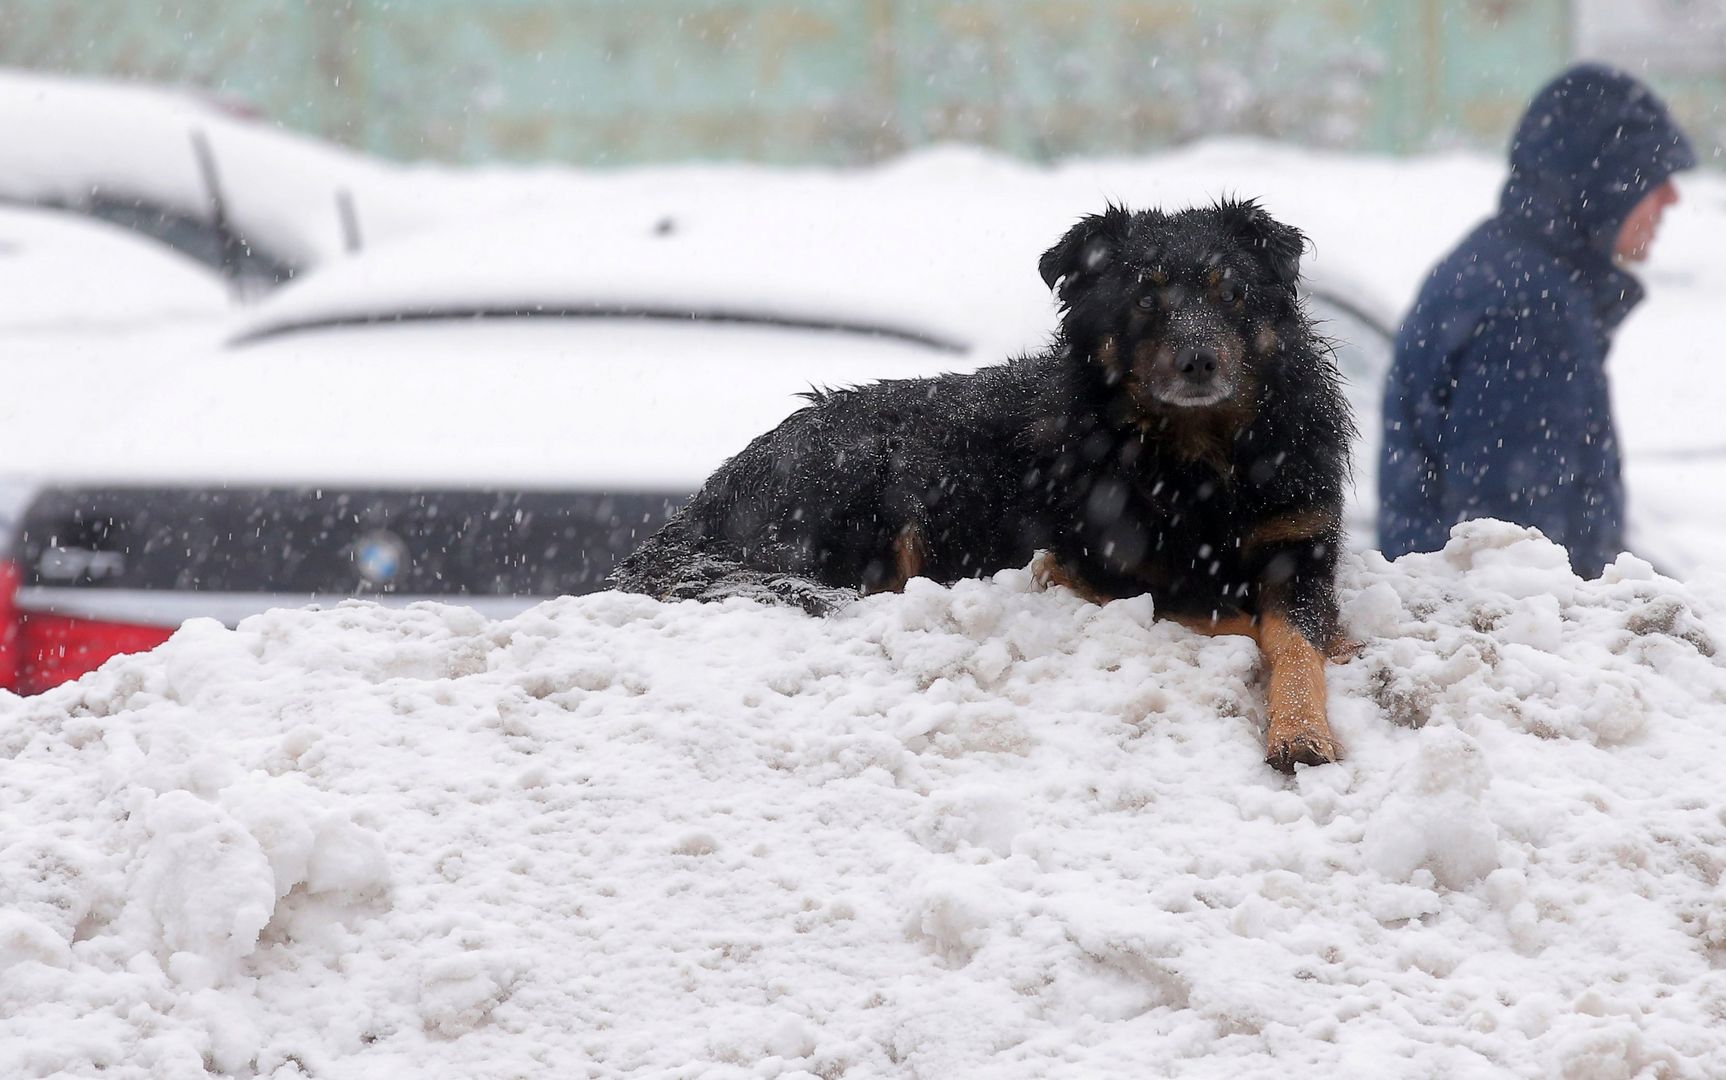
1087	248
1281	246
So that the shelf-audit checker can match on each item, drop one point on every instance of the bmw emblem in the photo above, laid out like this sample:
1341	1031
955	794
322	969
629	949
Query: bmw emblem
380	557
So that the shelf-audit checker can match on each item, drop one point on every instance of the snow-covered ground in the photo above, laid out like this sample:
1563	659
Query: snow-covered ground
986	831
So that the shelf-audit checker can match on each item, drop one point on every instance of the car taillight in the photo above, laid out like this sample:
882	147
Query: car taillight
10	629
51	649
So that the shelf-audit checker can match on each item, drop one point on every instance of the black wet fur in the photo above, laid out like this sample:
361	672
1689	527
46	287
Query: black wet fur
1216	508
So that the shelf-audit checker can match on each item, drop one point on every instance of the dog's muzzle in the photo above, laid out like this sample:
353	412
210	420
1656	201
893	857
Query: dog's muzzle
1187	374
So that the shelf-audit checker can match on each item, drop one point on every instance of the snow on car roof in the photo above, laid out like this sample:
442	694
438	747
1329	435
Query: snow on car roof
854	271
945	240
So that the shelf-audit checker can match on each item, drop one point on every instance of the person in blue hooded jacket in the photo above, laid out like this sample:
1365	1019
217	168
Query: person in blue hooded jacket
1496	404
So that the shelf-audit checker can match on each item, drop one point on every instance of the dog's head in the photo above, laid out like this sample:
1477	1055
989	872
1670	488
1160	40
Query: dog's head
1177	310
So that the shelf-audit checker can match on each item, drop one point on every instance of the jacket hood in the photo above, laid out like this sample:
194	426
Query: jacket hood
1593	142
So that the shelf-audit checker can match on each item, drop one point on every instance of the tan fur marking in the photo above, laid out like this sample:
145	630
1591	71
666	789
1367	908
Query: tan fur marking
910	555
1301	526
1209	438
1050	573
1206	435
1109	354
1341	649
1298	732
1266	341
1228	625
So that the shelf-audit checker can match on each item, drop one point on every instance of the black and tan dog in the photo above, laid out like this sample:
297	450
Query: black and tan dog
1184	437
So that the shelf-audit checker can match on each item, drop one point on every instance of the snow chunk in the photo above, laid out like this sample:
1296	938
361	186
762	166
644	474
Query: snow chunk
1436	818
306	841
27	940
952	913
203	879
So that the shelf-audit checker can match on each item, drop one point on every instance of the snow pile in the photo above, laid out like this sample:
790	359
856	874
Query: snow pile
985	831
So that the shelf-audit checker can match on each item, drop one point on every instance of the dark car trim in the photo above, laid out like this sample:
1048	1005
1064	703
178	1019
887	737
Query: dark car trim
602	311
305	542
169	608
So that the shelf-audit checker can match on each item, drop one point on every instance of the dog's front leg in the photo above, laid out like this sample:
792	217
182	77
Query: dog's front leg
1298	732
1295	563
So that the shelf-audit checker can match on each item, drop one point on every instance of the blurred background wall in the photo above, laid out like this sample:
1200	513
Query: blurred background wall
849	81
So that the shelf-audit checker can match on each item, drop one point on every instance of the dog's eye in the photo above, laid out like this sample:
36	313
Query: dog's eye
1148	301
1230	291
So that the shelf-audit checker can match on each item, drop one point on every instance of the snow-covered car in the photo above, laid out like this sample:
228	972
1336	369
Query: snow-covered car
159	161
471	416
449	418
243	195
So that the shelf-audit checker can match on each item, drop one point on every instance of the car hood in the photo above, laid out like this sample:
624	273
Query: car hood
522	403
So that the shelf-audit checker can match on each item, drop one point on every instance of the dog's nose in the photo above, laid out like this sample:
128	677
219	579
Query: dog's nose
1196	363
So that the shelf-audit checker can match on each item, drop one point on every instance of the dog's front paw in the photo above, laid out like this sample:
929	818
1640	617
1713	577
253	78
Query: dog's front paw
814	599
1341	649
1300	748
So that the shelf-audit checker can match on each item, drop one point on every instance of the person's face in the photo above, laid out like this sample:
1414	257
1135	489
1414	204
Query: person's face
1636	235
